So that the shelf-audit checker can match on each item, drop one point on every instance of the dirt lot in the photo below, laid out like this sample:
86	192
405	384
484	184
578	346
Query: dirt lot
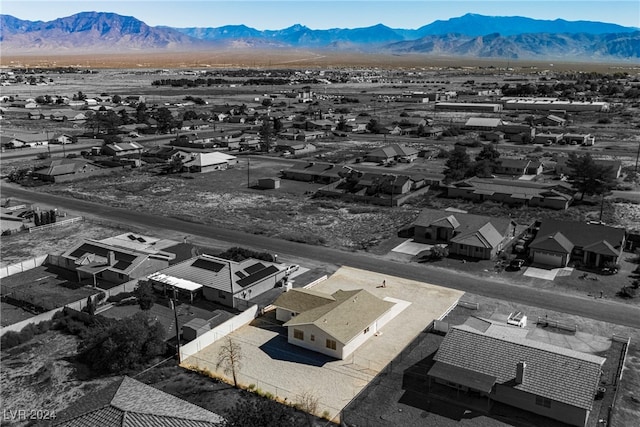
20	246
222	198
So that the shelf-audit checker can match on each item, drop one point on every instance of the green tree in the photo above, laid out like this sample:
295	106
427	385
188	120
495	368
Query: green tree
144	293
190	115
458	164
116	99
588	177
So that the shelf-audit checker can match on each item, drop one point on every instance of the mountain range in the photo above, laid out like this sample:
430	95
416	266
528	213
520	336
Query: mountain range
470	35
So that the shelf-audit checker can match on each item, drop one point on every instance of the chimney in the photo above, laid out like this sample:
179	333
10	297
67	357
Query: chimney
520	368
111	258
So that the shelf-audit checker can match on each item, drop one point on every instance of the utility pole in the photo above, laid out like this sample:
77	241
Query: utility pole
637	157
248	172
172	301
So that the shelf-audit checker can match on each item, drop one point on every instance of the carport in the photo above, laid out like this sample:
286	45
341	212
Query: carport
175	284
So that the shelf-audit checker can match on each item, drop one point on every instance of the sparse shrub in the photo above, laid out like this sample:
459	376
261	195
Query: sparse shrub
627	292
326	415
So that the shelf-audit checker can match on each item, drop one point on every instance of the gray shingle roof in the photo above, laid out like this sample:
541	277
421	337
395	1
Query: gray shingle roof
130	403
477	230
553	372
582	234
555	242
299	300
346	317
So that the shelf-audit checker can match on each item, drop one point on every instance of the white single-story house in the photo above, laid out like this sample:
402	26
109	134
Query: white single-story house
335	324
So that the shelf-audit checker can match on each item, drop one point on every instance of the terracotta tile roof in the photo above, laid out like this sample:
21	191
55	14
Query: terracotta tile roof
553	372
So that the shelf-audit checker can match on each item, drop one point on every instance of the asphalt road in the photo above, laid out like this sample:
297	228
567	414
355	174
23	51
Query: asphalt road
598	309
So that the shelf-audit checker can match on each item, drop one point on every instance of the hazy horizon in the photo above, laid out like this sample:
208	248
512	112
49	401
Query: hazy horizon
324	14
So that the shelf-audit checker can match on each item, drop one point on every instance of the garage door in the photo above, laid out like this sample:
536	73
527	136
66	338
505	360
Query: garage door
551	260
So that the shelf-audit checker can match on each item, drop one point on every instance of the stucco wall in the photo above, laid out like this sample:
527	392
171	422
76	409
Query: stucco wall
559	411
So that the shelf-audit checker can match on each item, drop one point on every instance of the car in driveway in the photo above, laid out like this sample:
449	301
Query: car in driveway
292	268
516	264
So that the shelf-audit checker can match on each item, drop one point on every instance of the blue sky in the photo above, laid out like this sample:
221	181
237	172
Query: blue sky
322	14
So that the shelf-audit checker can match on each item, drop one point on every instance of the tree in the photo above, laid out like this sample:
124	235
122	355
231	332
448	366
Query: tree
53	215
190	115
116	99
488	152
373	126
175	165
165	120
267	134
144	293
230	358
142	116
458	164
486	161
342	124
588	177
124	345
252	411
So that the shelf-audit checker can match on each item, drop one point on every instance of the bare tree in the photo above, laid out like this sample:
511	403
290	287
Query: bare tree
230	358
308	402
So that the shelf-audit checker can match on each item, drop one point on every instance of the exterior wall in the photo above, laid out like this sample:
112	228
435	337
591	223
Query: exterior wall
215	295
465	193
472	251
319	342
260	287
557	410
284	315
360	339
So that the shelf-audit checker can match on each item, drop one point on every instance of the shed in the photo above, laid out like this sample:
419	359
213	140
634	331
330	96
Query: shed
194	328
269	183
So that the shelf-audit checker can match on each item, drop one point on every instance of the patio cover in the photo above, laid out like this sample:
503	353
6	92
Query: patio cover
183	284
464	377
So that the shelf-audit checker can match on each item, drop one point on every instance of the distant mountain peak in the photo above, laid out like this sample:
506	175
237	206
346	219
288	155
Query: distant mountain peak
471	34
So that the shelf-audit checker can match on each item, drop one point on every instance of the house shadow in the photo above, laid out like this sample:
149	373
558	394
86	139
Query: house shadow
435	406
278	348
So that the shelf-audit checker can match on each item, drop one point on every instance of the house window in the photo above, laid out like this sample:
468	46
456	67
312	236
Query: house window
331	344
221	295
461	246
543	401
313	337
298	334
366	329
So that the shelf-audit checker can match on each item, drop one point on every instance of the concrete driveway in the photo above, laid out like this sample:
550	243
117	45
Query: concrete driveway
542	273
410	247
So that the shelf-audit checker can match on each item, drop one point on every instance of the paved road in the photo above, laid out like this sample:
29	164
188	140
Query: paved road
599	309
